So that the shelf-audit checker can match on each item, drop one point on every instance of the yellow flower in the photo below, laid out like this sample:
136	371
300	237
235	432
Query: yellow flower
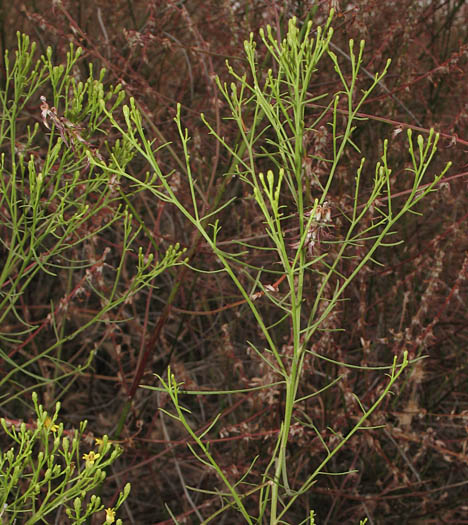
101	441
91	458
110	515
51	426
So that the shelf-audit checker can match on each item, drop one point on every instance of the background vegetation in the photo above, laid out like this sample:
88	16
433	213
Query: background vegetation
65	339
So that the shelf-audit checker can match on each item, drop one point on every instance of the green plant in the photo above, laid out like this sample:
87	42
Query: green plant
66	233
43	472
277	119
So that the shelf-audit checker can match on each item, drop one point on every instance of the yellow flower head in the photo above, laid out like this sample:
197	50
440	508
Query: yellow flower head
91	458
51	426
110	515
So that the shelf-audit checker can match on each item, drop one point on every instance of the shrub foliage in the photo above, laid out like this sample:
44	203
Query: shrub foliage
196	259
